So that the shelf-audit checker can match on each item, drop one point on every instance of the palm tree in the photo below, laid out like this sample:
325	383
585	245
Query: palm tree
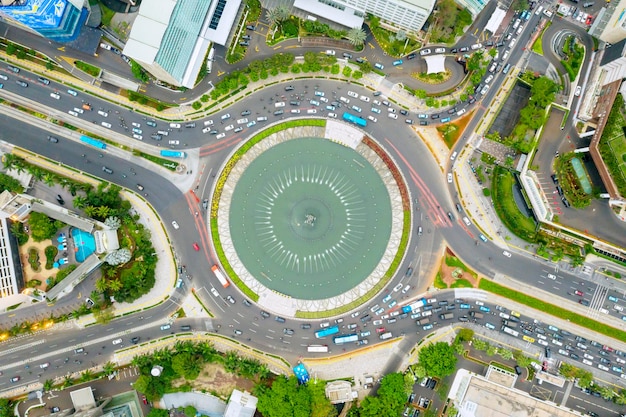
231	362
114	285
108	368
48	384
101	284
86	375
49	179
277	15
356	36
184	346
67	381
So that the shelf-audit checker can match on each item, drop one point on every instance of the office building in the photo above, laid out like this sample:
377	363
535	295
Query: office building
408	15
171	39
610	23
58	20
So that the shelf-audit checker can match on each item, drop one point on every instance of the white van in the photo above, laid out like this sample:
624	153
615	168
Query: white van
105	124
384	336
208	123
175	125
103	113
279	104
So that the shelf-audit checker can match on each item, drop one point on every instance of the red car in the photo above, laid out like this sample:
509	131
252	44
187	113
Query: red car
196	246
579	292
380	330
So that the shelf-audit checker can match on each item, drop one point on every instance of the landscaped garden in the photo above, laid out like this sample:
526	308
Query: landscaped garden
612	144
574	56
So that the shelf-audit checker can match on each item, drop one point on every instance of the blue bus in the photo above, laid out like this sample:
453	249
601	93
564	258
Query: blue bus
445	120
414	306
93	142
354	119
347	338
327	332
173	154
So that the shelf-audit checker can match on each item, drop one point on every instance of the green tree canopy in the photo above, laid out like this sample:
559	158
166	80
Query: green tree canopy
285	398
42	227
7	182
438	359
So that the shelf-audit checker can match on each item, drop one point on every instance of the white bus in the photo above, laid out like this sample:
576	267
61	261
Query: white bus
510	331
220	276
317	348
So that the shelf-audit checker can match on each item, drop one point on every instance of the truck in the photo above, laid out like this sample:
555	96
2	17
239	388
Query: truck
173	154
510	323
385	336
421	322
446	316
476	314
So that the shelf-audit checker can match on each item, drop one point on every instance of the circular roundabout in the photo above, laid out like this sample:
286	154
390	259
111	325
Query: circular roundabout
309	224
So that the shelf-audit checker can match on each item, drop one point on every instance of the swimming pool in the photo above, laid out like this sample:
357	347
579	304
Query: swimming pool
84	244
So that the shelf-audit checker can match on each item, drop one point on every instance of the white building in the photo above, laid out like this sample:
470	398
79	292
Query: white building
409	15
170	38
610	24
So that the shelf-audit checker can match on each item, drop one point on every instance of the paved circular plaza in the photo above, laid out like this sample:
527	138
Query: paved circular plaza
308	223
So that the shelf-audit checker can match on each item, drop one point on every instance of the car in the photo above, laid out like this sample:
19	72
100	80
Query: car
411	56
280	319
386	298
239	129
196	246
578	91
89	302
332	115
220	136
238	332
135	340
464	49
21	83
427	327
507	254
107	170
250	124
424	52
305	326
381	330
15	379
250	27
449	178
225	116
379	66
117	341
265	314
372	119
175	224
288	331
579	292
166	326
230	299
552	276
392	115
397	62
440	50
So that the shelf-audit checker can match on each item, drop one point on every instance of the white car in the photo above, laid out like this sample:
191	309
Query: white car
579	89
551	276
174	142
489	79
138	137
372	118
449	178
229	127
333	115
353	94
225	116
117	341
440	50
392	115
406	289
397	287
175	224
214	292
425	52
77	110
365	99
135	124
377	102
507	254
242	121
356	313
220	136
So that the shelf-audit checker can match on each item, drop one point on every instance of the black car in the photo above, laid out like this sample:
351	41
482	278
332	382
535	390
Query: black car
423	123
454	50
347	55
403	112
290	88
472	100
246	37
518	370
190	125
265	314
360	60
584	302
411	56
244	43
499	44
464	49
44	80
250	27
554	178
548	352
565	202
60	199
134	340
305	326
246	302
434	116
451	216
452	110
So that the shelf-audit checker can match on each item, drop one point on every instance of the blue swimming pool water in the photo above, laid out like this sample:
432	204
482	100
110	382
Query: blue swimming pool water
85	244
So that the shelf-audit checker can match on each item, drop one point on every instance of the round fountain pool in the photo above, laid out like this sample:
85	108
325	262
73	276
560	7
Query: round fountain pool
310	218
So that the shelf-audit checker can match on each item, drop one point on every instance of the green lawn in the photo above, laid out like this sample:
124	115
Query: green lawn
504	203
618	145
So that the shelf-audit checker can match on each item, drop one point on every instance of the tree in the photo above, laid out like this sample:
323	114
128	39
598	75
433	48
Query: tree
190	411
9	183
158	412
108	368
47	386
320	405
277	15
438	359
42	227
356	36
186	365
285	398
465	335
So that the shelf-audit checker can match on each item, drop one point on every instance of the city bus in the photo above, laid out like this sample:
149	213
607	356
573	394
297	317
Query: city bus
317	348
354	119
220	276
510	331
414	306
339	340
327	332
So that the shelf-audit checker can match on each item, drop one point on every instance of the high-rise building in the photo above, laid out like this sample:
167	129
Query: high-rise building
170	38
610	24
408	15
58	20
